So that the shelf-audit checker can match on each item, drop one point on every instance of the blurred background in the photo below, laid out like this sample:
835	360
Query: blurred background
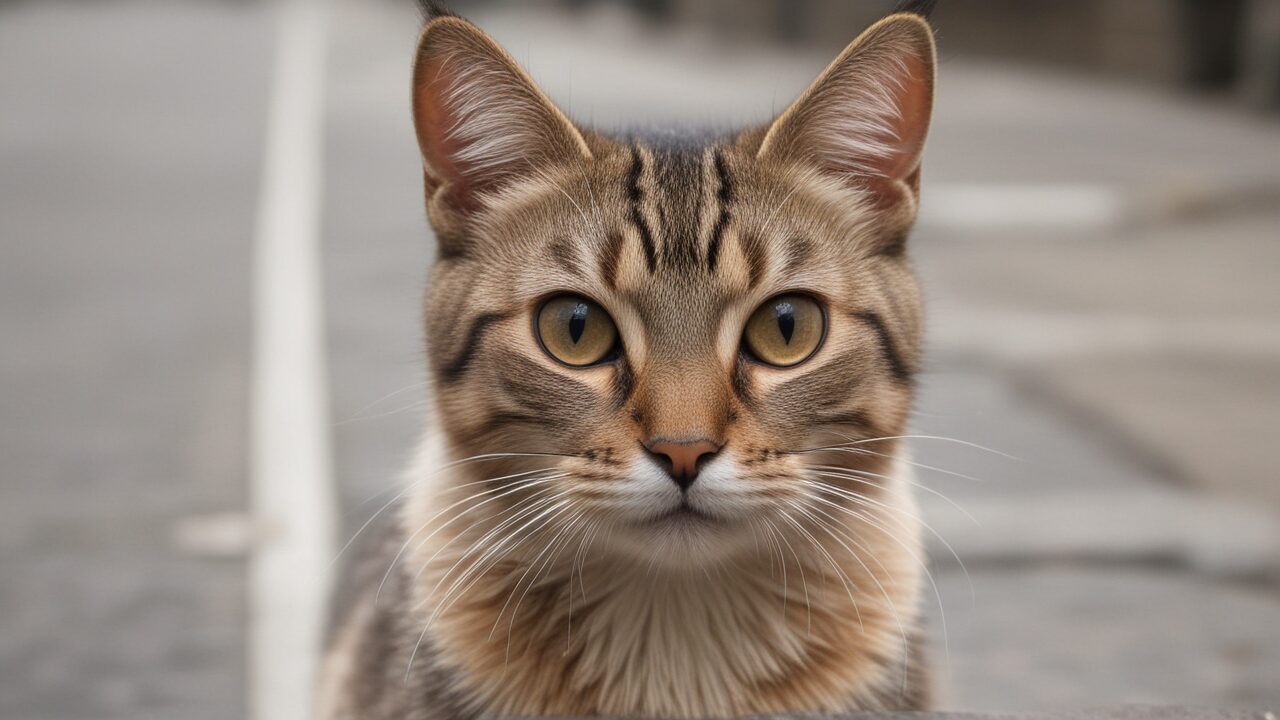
1099	244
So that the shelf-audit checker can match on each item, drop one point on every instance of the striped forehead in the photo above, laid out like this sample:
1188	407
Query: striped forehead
675	205
678	204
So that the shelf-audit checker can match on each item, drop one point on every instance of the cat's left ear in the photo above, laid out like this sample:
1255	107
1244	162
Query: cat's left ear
864	120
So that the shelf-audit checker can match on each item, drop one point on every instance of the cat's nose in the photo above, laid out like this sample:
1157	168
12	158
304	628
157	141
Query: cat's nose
682	460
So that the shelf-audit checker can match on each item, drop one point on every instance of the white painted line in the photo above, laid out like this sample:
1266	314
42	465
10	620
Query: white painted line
292	493
219	535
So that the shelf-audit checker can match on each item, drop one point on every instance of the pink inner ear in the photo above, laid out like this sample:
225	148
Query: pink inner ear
435	122
893	173
913	98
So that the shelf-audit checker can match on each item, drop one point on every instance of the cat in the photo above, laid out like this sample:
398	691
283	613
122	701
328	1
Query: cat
670	382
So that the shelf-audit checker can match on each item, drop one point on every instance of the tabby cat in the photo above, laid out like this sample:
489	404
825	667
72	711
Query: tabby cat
670	380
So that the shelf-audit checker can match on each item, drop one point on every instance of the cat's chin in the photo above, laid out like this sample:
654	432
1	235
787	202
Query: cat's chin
682	538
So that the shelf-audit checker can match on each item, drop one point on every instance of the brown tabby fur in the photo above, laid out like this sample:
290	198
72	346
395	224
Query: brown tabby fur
530	577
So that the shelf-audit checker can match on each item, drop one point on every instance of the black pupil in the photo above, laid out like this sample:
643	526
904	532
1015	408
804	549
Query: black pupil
786	320
578	322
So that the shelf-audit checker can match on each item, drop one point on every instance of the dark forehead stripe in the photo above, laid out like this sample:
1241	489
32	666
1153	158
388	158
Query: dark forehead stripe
897	367
754	250
565	254
623	384
635	196
895	245
799	250
678	181
610	252
892	297
475	335
725	196
742	382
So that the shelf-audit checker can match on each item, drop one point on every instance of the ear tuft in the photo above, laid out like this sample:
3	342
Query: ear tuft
480	120
923	8
866	117
430	10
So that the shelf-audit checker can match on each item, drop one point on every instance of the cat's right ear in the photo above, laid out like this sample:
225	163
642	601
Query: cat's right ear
864	120
481	122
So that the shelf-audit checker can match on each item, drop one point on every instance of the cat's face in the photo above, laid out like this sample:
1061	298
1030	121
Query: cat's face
659	339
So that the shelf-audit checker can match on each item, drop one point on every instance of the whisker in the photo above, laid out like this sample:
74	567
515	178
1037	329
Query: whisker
415	483
495	555
503	492
520	509
415	405
490	555
941	438
898	458
864	517
357	415
446	602
869	502
558	542
841	575
782	560
893	608
804	583
772	215
576	565
401	494
838	470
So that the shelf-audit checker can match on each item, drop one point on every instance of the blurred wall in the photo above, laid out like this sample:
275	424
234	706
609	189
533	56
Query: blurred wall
1222	45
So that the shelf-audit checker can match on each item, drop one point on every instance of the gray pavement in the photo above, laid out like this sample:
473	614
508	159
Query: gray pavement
1128	361
129	156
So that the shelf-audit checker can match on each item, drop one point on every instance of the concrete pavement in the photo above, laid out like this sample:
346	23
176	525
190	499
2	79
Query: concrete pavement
129	154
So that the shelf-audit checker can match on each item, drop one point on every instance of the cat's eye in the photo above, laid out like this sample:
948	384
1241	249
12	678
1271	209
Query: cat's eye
786	330
576	331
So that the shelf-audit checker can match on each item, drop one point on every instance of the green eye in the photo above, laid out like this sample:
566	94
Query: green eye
786	330
575	330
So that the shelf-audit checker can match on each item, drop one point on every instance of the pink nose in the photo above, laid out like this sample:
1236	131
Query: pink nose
683	458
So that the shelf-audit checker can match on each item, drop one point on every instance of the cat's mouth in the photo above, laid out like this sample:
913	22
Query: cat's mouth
684	513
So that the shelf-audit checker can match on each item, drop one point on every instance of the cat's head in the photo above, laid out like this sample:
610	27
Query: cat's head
659	337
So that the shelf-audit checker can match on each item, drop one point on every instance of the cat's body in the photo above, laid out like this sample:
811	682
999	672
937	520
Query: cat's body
667	478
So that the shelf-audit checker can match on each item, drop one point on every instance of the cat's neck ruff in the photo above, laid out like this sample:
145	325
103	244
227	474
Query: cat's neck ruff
787	626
